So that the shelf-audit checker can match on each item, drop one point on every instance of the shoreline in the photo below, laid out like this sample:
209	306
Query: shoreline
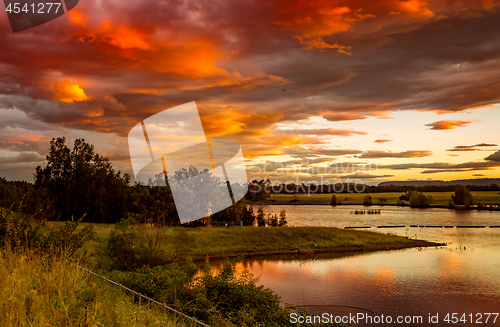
309	252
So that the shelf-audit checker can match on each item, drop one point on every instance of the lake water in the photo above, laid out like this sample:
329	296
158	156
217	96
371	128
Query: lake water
462	277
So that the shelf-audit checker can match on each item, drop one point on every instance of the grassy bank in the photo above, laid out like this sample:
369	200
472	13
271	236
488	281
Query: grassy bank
220	242
440	199
39	291
250	241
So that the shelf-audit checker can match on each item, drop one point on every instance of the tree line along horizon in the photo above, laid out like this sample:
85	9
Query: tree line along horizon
79	182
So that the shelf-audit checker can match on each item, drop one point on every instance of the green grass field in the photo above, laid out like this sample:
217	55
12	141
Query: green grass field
439	198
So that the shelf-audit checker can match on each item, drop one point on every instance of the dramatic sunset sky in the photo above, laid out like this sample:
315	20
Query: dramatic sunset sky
410	88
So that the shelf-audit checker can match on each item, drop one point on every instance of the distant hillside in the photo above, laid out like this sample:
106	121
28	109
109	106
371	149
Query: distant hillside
478	182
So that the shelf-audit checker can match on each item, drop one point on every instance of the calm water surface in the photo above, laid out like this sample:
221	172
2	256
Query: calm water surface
462	277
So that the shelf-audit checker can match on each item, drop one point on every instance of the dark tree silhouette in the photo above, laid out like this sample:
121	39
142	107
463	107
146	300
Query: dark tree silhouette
462	196
81	182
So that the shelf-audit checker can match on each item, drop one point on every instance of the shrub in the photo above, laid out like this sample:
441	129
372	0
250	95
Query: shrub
131	245
20	232
166	284
219	296
367	200
405	197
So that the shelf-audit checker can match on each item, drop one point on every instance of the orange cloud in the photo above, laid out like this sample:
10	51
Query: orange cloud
339	116
415	7
323	131
221	120
290	140
388	154
382	141
449	124
78	18
64	91
125	38
382	115
313	19
319	44
317	18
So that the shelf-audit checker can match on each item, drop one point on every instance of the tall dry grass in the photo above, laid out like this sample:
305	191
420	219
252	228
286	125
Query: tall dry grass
36	290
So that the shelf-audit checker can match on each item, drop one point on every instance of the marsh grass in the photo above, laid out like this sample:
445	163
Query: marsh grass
37	290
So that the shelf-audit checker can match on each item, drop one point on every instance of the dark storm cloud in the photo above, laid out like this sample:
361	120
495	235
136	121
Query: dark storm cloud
475	147
22	157
494	157
443	167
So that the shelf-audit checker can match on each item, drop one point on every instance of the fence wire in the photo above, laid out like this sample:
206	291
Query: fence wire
144	296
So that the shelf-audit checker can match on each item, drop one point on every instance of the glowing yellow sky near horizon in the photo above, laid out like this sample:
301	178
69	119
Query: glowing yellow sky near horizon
407	131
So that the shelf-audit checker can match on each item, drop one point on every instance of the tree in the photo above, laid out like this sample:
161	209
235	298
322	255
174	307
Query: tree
81	182
419	200
367	200
258	190
247	215
333	200
282	222
272	220
261	217
462	196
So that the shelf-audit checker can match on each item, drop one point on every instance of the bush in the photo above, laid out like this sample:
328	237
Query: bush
166	284
405	197
367	200
20	232
237	298
219	297
131	245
